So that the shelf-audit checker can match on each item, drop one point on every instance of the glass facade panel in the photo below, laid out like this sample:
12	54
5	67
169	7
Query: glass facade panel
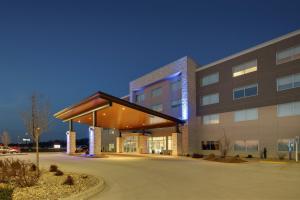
176	85
158	107
156	92
252	146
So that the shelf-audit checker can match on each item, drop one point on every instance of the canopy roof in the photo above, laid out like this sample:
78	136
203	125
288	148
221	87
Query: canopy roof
104	110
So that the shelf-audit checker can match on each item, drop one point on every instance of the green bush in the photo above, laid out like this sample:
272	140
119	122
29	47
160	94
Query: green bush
6	193
197	155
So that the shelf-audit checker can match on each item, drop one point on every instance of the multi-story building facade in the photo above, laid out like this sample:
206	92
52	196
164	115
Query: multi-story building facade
244	103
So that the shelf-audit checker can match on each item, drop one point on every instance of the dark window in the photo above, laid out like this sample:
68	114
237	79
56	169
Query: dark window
210	145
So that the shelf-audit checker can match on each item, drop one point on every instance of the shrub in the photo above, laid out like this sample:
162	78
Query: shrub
59	173
197	155
53	168
281	156
17	172
69	181
6	193
33	168
188	155
249	156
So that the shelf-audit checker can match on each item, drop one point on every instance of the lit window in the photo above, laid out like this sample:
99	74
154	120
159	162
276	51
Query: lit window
158	107
288	109
287	55
210	79
244	68
246	115
288	82
211	119
210	99
156	92
246	91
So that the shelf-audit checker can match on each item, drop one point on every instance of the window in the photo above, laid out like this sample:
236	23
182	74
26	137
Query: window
249	146
246	91
286	145
176	103
210	79
287	55
140	98
210	99
176	85
210	145
288	109
158	107
156	92
211	119
245	115
288	82
244	68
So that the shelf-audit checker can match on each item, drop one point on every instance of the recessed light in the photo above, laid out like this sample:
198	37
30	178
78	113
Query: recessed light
123	108
78	121
104	114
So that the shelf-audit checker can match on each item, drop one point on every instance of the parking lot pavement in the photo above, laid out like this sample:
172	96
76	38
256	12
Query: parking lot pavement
143	178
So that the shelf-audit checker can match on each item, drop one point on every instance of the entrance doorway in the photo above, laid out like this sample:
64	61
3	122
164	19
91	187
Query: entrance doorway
159	145
130	144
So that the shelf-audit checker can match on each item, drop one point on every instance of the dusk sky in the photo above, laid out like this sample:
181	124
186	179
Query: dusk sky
67	50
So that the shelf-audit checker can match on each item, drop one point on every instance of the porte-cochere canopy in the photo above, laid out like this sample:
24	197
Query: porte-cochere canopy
106	111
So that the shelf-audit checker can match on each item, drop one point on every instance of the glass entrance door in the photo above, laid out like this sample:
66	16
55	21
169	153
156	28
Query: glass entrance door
157	145
130	144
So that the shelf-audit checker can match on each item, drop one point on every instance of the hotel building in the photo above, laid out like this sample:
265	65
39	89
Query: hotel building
243	103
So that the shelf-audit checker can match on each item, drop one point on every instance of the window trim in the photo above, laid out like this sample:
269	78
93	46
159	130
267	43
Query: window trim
244	87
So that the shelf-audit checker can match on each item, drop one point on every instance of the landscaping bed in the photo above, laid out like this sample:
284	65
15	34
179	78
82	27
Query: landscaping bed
227	159
21	182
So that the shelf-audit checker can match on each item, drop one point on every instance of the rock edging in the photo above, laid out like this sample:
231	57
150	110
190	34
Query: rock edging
87	193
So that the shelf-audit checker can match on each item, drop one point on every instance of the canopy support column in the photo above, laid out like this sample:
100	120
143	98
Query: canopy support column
71	139
95	137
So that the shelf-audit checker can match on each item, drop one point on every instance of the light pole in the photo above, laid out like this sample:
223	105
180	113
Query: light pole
297	142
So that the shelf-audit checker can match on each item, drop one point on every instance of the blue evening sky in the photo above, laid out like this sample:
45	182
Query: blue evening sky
68	50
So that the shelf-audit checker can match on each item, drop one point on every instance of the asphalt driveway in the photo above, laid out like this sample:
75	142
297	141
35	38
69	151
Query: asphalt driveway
130	178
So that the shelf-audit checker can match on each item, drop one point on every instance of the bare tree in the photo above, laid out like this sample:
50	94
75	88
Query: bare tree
224	144
36	120
5	139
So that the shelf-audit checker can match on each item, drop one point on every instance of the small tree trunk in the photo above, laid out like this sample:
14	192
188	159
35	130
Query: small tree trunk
37	155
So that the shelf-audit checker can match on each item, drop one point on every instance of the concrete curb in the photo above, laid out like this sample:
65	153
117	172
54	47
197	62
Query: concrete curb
87	193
